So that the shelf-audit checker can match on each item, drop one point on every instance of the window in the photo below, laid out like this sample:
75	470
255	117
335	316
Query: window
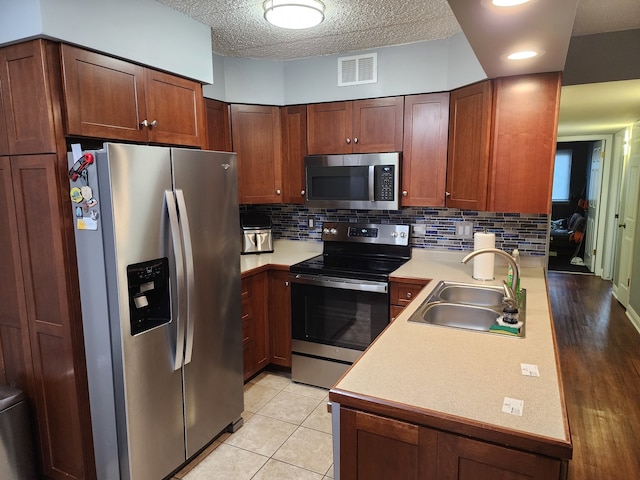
561	176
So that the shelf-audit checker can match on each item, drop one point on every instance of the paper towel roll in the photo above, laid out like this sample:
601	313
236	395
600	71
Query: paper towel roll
483	264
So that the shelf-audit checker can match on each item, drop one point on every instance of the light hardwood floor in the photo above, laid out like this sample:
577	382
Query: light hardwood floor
599	352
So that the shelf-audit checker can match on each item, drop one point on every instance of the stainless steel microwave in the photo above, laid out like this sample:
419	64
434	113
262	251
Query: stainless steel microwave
367	181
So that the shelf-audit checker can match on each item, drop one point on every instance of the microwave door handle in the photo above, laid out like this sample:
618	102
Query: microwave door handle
372	183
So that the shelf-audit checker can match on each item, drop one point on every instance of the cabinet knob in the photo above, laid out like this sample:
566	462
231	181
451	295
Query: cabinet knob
408	294
302	192
278	192
447	194
286	284
144	123
622	225
355	139
348	140
404	193
154	123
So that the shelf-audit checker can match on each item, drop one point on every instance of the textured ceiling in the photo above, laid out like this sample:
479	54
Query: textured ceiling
238	28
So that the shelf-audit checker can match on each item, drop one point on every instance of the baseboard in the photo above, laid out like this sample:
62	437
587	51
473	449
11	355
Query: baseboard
634	318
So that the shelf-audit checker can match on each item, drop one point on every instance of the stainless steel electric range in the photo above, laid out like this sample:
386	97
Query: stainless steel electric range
340	299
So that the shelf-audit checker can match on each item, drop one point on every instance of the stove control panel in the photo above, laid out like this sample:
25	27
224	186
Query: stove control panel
383	234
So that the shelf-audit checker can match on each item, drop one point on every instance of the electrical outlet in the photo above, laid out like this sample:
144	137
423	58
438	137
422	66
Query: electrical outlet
418	229
310	222
464	230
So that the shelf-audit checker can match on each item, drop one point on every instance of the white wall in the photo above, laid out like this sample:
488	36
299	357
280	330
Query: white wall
402	70
143	31
19	19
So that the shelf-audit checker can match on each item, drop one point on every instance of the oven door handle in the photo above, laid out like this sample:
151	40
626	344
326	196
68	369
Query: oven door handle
343	283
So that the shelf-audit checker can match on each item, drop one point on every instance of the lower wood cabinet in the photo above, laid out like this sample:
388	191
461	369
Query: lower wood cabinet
280	318
402	293
255	326
373	447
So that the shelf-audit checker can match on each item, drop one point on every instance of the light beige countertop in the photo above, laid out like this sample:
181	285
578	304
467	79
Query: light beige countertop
285	252
462	374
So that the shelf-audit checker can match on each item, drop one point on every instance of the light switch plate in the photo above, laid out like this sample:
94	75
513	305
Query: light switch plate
464	230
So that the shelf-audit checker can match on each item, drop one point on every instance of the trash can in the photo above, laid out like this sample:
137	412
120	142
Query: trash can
16	446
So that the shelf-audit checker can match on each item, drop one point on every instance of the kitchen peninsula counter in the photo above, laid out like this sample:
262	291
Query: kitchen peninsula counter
456	381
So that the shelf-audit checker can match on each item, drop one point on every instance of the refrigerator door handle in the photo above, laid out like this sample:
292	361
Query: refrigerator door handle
176	240
188	262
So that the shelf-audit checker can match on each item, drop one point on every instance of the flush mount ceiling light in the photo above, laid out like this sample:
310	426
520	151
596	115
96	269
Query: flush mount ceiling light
294	14
522	55
508	3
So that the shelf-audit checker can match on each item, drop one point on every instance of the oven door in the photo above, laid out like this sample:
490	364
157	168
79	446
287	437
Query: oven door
338	312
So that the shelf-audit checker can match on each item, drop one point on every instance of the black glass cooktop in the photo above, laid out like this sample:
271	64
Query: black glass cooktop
365	268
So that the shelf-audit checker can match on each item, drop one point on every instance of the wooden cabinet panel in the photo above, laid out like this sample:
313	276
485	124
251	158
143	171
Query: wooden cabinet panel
424	158
378	125
280	318
255	327
218	126
468	156
26	100
329	127
59	375
524	143
175	109
256	133
105	97
378	448
14	331
402	291
113	99
294	149
359	126
461	458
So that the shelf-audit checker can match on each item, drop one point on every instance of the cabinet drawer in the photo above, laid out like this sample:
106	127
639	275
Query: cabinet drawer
403	293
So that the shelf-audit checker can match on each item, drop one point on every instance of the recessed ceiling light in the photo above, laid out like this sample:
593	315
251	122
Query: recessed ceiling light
294	14
508	3
522	55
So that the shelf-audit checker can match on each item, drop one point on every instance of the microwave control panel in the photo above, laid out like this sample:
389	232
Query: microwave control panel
384	182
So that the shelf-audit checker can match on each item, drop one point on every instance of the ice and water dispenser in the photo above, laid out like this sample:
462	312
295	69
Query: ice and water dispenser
149	298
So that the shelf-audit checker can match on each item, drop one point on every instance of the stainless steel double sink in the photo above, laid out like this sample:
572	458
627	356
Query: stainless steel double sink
466	305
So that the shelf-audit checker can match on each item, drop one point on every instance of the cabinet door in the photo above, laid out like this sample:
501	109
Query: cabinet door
280	318
294	149
461	458
329	128
26	100
468	156
105	97
377	125
15	353
218	126
255	323
424	158
53	318
257	140
524	143
175	109
379	448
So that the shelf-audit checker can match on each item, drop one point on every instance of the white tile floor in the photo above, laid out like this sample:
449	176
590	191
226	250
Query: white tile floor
286	435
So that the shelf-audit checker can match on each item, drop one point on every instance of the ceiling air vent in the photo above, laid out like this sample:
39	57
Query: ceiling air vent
358	69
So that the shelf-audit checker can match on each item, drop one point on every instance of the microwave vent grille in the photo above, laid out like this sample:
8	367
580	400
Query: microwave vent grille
358	69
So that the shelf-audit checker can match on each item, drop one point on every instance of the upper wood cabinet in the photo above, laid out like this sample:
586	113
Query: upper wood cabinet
27	123
424	157
257	137
360	126
502	137
113	99
468	155
524	143
294	149
218	126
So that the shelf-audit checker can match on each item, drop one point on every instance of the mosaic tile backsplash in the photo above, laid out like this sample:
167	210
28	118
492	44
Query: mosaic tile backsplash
436	227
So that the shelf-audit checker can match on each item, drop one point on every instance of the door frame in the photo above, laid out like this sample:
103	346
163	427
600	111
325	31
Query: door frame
604	257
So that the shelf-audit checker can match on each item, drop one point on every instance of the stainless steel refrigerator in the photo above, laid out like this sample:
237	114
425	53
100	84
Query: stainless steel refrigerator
159	268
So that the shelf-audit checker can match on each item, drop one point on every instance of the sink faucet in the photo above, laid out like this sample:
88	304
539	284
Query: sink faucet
510	297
